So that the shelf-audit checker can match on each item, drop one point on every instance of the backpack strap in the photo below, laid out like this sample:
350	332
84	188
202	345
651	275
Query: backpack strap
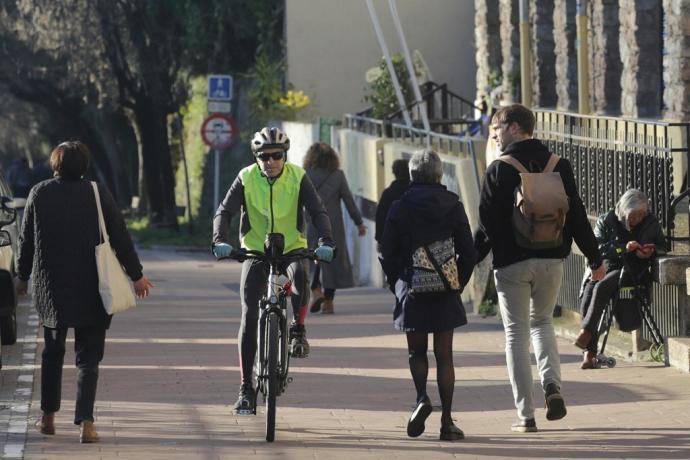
514	162
551	164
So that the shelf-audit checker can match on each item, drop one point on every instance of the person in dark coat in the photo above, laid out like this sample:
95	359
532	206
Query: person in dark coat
57	251
528	279
391	193
425	214
323	168
628	236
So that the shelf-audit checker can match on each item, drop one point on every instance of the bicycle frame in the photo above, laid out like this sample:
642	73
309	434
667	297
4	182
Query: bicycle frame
274	302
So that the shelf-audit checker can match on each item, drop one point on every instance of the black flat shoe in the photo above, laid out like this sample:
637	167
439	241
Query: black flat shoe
451	433
415	426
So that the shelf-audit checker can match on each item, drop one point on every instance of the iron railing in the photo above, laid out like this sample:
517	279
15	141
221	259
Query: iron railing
444	109
610	155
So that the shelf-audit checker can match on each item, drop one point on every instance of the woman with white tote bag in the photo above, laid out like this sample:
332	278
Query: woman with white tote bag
57	250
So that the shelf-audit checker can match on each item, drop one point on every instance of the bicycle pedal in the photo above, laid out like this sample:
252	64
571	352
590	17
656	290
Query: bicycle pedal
245	412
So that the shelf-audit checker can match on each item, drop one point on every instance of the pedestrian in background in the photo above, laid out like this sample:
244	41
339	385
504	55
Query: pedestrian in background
57	251
527	279
428	221
391	193
322	166
628	236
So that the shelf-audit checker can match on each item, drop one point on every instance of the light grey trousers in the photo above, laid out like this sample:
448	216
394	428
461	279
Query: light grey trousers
527	293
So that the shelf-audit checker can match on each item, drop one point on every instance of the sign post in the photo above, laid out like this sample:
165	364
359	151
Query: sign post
218	132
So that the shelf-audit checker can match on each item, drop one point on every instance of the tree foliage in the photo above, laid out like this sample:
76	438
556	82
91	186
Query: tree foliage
107	70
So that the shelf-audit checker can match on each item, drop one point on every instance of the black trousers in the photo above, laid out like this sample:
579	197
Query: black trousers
252	288
596	296
89	345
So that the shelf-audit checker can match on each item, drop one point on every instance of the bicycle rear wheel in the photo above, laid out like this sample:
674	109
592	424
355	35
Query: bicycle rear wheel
272	333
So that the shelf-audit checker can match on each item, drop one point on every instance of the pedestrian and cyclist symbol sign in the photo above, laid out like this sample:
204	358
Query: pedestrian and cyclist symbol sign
220	87
218	131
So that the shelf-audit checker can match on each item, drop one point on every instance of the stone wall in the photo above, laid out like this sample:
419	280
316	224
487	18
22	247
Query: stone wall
676	64
543	55
564	35
640	48
488	46
606	66
510	50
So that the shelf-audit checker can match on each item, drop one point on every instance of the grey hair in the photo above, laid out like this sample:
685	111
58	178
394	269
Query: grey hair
631	201
426	167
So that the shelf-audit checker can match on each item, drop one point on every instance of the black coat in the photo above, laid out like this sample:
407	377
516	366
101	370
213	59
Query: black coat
425	213
496	208
613	237
57	250
393	192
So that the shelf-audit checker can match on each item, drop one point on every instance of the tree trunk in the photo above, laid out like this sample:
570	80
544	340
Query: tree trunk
160	182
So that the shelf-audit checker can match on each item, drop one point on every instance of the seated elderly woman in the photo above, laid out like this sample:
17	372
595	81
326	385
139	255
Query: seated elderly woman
428	255
628	236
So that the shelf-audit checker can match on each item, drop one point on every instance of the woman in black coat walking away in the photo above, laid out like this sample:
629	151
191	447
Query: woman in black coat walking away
428	257
57	250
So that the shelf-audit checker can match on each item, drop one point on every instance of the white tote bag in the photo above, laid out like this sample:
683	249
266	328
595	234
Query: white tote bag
115	287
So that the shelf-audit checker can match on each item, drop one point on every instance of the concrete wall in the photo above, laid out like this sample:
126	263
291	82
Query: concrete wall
331	44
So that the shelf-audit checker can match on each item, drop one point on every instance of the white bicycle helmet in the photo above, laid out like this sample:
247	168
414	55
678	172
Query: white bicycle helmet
269	138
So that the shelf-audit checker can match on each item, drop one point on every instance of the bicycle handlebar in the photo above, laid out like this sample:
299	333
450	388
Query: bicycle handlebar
241	255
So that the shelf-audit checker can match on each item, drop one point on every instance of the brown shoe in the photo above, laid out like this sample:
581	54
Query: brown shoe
583	339
47	424
327	307
589	361
316	300
87	433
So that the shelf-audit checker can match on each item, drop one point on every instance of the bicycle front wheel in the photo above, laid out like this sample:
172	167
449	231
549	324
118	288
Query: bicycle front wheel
272	333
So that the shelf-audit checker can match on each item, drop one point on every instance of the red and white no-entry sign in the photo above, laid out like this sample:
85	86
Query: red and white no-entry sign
219	131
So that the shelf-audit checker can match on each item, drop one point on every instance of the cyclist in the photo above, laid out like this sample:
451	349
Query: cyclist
270	196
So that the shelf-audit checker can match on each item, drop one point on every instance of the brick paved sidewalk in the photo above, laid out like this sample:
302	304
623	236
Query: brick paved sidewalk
170	373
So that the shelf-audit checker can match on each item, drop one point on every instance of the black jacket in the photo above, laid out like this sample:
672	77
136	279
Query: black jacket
425	213
57	249
613	237
495	230
393	192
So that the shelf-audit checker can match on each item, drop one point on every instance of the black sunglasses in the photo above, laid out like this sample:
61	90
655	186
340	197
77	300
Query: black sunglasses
274	156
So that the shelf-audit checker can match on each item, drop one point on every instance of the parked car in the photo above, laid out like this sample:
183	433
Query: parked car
9	232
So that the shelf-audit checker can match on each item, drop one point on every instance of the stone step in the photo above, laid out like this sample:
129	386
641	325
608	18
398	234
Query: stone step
679	353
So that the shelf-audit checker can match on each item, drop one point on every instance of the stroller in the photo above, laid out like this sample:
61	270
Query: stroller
631	306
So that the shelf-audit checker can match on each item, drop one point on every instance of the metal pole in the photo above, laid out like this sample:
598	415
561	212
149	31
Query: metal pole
216	180
389	63
525	55
180	128
582	57
410	70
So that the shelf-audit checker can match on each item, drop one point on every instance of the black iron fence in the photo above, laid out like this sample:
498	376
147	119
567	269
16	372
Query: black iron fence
446	111
610	155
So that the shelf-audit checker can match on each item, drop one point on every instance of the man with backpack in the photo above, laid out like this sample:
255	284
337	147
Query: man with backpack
529	214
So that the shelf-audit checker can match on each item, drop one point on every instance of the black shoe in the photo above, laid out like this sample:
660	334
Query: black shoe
451	433
299	346
524	426
555	404
246	402
415	426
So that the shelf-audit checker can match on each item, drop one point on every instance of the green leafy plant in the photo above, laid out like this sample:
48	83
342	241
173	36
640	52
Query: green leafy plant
381	92
487	308
267	99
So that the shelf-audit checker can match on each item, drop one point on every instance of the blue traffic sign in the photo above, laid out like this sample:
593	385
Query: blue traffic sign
220	87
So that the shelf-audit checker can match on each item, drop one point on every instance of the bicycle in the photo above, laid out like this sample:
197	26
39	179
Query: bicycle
273	353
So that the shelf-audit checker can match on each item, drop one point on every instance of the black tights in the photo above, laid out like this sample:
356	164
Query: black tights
417	344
